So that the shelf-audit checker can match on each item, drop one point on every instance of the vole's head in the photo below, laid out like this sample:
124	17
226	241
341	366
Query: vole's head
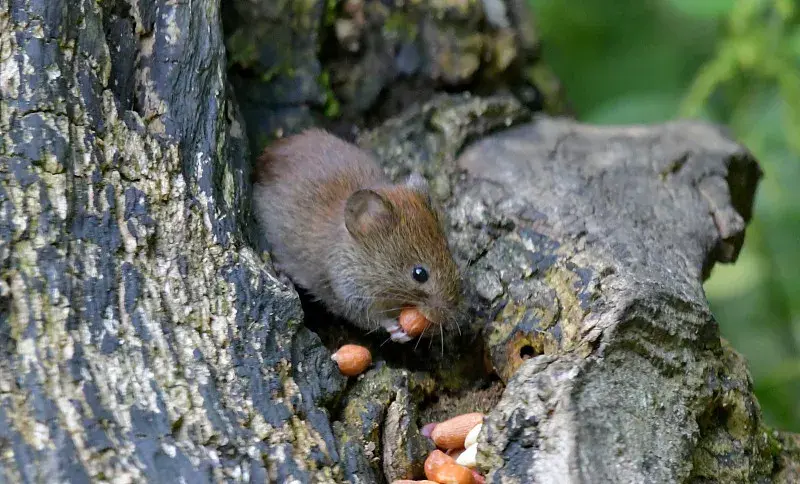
402	253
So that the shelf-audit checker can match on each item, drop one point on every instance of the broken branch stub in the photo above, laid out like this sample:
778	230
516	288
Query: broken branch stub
613	231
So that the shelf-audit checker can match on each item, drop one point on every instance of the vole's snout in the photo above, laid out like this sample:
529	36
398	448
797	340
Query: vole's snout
438	313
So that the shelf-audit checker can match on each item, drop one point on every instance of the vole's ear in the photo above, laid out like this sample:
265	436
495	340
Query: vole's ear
367	211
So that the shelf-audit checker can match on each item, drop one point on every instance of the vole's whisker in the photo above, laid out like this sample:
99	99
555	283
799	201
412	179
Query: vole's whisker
362	298
441	333
420	337
384	311
370	321
400	296
396	290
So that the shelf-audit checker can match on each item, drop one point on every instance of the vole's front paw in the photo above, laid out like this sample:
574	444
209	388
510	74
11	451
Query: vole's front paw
396	332
400	336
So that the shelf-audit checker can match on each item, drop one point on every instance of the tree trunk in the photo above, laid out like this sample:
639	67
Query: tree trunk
146	338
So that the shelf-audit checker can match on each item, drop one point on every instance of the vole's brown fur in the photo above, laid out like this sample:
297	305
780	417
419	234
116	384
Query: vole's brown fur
338	228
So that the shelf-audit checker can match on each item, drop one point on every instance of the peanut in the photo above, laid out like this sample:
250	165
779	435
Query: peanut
469	457
472	436
452	433
453	474
352	359
454	453
436	459
441	468
412	321
428	428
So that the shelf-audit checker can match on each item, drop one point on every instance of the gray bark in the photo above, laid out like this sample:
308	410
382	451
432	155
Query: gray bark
144	337
587	247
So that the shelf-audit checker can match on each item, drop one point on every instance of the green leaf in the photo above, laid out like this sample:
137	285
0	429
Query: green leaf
705	9
645	107
794	41
729	281
718	70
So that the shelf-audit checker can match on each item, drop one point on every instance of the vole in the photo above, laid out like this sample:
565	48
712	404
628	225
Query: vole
338	228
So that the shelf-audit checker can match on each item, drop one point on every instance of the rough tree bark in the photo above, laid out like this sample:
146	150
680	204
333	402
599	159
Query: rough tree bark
144	337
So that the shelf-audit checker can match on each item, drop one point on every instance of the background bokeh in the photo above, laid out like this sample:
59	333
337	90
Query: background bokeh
735	62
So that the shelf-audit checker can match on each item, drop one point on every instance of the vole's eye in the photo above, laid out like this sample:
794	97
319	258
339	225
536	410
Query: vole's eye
420	274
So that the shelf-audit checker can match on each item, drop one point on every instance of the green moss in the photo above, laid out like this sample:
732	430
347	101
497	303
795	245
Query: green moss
704	464
548	84
510	316
740	421
332	108
329	17
572	313
272	72
293	324
332	105
453	377
503	50
399	25
242	48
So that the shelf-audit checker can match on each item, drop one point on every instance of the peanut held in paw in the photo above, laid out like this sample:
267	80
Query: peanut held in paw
363	246
352	359
413	322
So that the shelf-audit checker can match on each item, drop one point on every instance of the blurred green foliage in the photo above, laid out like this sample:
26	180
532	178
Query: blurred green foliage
735	62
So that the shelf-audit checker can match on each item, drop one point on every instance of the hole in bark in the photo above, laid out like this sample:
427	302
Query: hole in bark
526	352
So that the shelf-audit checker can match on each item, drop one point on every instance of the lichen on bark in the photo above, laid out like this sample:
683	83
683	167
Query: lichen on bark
141	336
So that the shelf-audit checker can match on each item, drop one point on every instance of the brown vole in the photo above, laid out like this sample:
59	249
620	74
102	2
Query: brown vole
364	247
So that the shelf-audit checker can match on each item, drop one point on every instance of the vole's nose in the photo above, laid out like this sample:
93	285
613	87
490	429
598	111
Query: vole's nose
438	312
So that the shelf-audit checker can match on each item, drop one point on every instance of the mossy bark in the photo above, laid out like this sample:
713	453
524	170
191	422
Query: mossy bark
145	338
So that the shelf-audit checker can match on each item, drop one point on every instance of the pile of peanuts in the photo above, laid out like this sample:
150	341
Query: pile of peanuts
458	437
454	460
